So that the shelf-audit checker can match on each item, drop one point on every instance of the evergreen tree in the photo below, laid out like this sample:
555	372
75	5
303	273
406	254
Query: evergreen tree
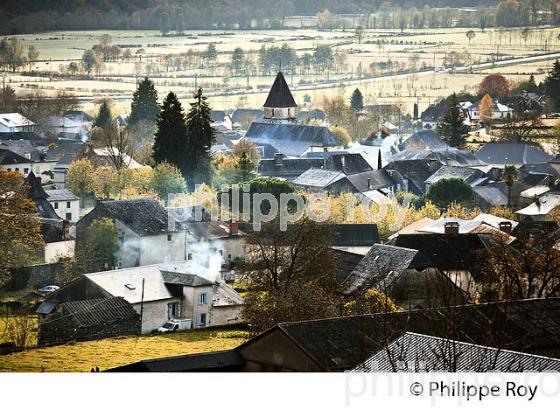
552	85
452	127
170	143
357	100
104	118
200	137
245	168
144	105
531	84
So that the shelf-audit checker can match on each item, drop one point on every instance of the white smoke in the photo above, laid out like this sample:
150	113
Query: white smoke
207	255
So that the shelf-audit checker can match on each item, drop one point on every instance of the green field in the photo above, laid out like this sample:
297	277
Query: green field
108	353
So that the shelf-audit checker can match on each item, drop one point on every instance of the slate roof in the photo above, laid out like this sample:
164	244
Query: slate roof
291	139
509	153
354	234
144	216
184	279
342	343
92	312
225	295
346	262
424	139
545	204
14	119
61	195
413	352
222	361
8	157
127	282
217	116
342	235
449	252
24	135
374	179
280	95
381	266
25	148
318	178
447	156
445	172
490	196
415	171
349	163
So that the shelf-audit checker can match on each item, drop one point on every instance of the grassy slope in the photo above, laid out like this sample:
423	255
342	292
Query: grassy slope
108	353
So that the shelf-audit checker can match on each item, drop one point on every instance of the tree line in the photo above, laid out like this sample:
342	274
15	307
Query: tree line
178	15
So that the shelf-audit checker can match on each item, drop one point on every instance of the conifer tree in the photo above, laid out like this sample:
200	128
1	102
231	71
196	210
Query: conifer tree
170	143
144	105
552	85
200	137
357	100
104	118
452	127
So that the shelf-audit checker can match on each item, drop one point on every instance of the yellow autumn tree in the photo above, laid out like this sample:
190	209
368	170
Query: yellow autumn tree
486	112
20	230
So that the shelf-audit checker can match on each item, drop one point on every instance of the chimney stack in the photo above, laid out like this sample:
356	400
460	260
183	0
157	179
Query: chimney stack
506	227
233	228
278	159
452	228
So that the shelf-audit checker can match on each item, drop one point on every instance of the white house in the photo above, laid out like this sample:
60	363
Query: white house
15	122
499	111
65	204
181	290
10	161
145	237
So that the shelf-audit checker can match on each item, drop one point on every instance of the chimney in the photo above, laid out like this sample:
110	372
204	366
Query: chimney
278	159
233	228
65	229
451	228
506	227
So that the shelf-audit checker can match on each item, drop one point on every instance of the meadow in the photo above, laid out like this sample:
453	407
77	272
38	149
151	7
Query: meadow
414	52
109	353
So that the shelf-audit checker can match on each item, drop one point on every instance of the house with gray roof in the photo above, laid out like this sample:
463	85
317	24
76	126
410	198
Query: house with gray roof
145	236
424	139
445	156
289	168
471	176
404	274
292	140
65	203
414	352
511	153
180	290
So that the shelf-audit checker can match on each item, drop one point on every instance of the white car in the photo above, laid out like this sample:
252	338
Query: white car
49	289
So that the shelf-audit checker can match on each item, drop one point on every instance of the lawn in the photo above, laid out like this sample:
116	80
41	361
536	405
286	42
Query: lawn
108	353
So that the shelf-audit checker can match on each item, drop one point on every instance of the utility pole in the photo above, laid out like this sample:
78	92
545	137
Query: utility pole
142	302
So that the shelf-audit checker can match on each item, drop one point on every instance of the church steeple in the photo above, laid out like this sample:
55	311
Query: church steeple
280	104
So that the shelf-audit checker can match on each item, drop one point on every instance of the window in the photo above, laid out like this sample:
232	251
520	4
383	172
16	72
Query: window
221	252
189	257
169	237
202	297
172	310
26	171
68	204
202	319
68	216
56	205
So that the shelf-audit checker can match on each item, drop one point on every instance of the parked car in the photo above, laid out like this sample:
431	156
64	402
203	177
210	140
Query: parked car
175	324
49	289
